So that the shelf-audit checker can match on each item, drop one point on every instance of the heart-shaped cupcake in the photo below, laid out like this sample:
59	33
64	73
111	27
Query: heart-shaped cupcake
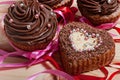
84	48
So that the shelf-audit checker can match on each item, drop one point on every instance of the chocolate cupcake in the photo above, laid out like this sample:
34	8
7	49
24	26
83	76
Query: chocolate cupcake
30	25
83	48
56	3
99	11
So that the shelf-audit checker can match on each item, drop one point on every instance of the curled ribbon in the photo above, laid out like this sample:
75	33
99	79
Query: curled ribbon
85	77
116	72
7	2
33	57
66	13
55	72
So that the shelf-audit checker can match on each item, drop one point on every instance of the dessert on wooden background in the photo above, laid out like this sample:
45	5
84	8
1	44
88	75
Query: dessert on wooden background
31	25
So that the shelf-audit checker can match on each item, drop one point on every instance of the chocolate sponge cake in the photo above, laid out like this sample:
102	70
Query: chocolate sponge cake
83	48
99	11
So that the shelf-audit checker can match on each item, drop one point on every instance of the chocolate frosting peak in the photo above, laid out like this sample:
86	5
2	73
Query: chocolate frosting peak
99	6
31	23
51	3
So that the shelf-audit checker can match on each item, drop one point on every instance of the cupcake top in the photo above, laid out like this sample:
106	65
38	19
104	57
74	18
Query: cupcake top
51	3
79	40
102	7
56	3
30	23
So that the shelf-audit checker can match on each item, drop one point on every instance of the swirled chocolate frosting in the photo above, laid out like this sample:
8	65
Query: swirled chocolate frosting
30	24
51	3
99	6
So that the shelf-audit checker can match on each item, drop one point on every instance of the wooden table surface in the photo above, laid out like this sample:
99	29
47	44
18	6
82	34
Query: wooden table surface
23	73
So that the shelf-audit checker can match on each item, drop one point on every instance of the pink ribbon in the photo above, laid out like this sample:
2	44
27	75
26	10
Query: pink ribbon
55	72
7	2
35	55
116	72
